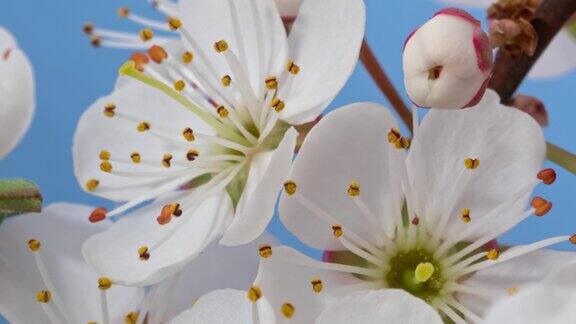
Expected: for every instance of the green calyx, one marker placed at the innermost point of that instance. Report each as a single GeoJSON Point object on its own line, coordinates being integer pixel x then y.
{"type": "Point", "coordinates": [416, 272]}
{"type": "Point", "coordinates": [18, 196]}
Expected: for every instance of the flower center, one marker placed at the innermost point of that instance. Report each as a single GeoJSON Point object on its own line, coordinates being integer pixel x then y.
{"type": "Point", "coordinates": [416, 272]}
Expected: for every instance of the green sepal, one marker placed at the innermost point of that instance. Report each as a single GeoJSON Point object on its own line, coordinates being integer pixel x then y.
{"type": "Point", "coordinates": [19, 196]}
{"type": "Point", "coordinates": [236, 186]}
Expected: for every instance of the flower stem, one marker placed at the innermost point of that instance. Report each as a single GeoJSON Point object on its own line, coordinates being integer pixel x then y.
{"type": "Point", "coordinates": [129, 69]}
{"type": "Point", "coordinates": [381, 79]}
{"type": "Point", "coordinates": [562, 157]}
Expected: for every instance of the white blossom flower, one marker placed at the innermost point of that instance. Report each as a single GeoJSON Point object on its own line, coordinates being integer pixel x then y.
{"type": "Point", "coordinates": [16, 93]}
{"type": "Point", "coordinates": [233, 91]}
{"type": "Point", "coordinates": [557, 60]}
{"type": "Point", "coordinates": [418, 222]}
{"type": "Point", "coordinates": [549, 301]}
{"type": "Point", "coordinates": [447, 61]}
{"type": "Point", "coordinates": [43, 277]}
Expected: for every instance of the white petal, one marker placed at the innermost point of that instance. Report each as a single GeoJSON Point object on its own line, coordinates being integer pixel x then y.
{"type": "Point", "coordinates": [289, 8]}
{"type": "Point", "coordinates": [226, 306]}
{"type": "Point", "coordinates": [61, 228]}
{"type": "Point", "coordinates": [268, 172]}
{"type": "Point", "coordinates": [17, 99]}
{"type": "Point", "coordinates": [273, 44]}
{"type": "Point", "coordinates": [558, 59]}
{"type": "Point", "coordinates": [286, 277]}
{"type": "Point", "coordinates": [492, 133]}
{"type": "Point", "coordinates": [120, 137]}
{"type": "Point", "coordinates": [381, 306]}
{"type": "Point", "coordinates": [217, 267]}
{"type": "Point", "coordinates": [114, 253]}
{"type": "Point", "coordinates": [349, 144]}
{"type": "Point", "coordinates": [325, 42]}
{"type": "Point", "coordinates": [550, 301]}
{"type": "Point", "coordinates": [516, 273]}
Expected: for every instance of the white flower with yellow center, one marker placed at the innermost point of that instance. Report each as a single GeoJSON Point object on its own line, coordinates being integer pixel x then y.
{"type": "Point", "coordinates": [418, 222]}
{"type": "Point", "coordinates": [212, 113]}
{"type": "Point", "coordinates": [16, 93]}
{"type": "Point", "coordinates": [44, 279]}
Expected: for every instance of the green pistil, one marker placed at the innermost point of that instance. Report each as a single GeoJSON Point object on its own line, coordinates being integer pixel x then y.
{"type": "Point", "coordinates": [403, 274]}
{"type": "Point", "coordinates": [129, 69]}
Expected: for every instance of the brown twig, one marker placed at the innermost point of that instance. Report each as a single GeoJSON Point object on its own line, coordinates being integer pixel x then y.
{"type": "Point", "coordinates": [381, 79]}
{"type": "Point", "coordinates": [509, 72]}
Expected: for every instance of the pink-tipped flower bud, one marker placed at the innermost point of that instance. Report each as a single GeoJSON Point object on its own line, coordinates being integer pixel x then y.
{"type": "Point", "coordinates": [447, 61]}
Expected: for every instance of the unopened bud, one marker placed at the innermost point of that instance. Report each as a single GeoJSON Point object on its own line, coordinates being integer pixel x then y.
{"type": "Point", "coordinates": [533, 107]}
{"type": "Point", "coordinates": [447, 61]}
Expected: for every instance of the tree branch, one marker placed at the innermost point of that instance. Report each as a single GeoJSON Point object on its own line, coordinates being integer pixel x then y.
{"type": "Point", "coordinates": [381, 79]}
{"type": "Point", "coordinates": [509, 72]}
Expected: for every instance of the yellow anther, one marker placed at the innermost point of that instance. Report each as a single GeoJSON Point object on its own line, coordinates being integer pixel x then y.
{"type": "Point", "coordinates": [34, 245]}
{"type": "Point", "coordinates": [317, 285]}
{"type": "Point", "coordinates": [278, 104]}
{"type": "Point", "coordinates": [104, 155]}
{"type": "Point", "coordinates": [271, 83]}
{"type": "Point", "coordinates": [188, 134]}
{"type": "Point", "coordinates": [187, 57]}
{"type": "Point", "coordinates": [106, 166]}
{"type": "Point", "coordinates": [167, 160]}
{"type": "Point", "coordinates": [337, 230]}
{"type": "Point", "coordinates": [492, 254]}
{"type": "Point", "coordinates": [222, 111]}
{"type": "Point", "coordinates": [402, 143]}
{"type": "Point", "coordinates": [572, 239]}
{"type": "Point", "coordinates": [92, 184]}
{"type": "Point", "coordinates": [434, 73]}
{"type": "Point", "coordinates": [254, 293]}
{"type": "Point", "coordinates": [265, 251]}
{"type": "Point", "coordinates": [221, 46]}
{"type": "Point", "coordinates": [88, 29]}
{"type": "Point", "coordinates": [465, 215]}
{"type": "Point", "coordinates": [143, 126]}
{"type": "Point", "coordinates": [110, 110]}
{"type": "Point", "coordinates": [104, 283]}
{"type": "Point", "coordinates": [471, 164]}
{"type": "Point", "coordinates": [226, 80]}
{"type": "Point", "coordinates": [136, 157]}
{"type": "Point", "coordinates": [143, 253]}
{"type": "Point", "coordinates": [292, 68]}
{"type": "Point", "coordinates": [157, 54]}
{"type": "Point", "coordinates": [95, 41]}
{"type": "Point", "coordinates": [131, 318]}
{"type": "Point", "coordinates": [43, 296]}
{"type": "Point", "coordinates": [123, 12]}
{"type": "Point", "coordinates": [288, 310]}
{"type": "Point", "coordinates": [290, 187]}
{"type": "Point", "coordinates": [192, 155]}
{"type": "Point", "coordinates": [354, 189]}
{"type": "Point", "coordinates": [424, 271]}
{"type": "Point", "coordinates": [174, 23]}
{"type": "Point", "coordinates": [394, 135]}
{"type": "Point", "coordinates": [146, 34]}
{"type": "Point", "coordinates": [512, 291]}
{"type": "Point", "coordinates": [179, 85]}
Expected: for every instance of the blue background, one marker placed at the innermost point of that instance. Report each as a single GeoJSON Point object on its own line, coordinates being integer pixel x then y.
{"type": "Point", "coordinates": [70, 75]}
